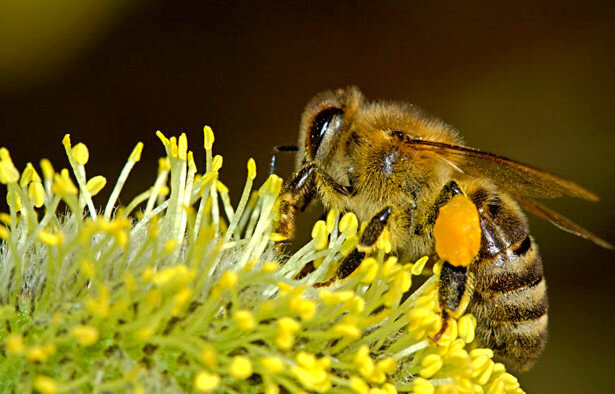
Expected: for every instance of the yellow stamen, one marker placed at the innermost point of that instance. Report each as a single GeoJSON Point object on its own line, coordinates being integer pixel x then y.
{"type": "Point", "coordinates": [8, 172]}
{"type": "Point", "coordinates": [45, 384]}
{"type": "Point", "coordinates": [423, 386]}
{"type": "Point", "coordinates": [26, 175]}
{"type": "Point", "coordinates": [206, 381]}
{"type": "Point", "coordinates": [251, 168]}
{"type": "Point", "coordinates": [228, 280]}
{"type": "Point", "coordinates": [47, 169]}
{"type": "Point", "coordinates": [81, 153]}
{"type": "Point", "coordinates": [241, 367]}
{"type": "Point", "coordinates": [272, 364]}
{"type": "Point", "coordinates": [320, 235]}
{"type": "Point", "coordinates": [162, 138]}
{"type": "Point", "coordinates": [467, 327]}
{"type": "Point", "coordinates": [14, 344]}
{"type": "Point", "coordinates": [347, 330]}
{"type": "Point", "coordinates": [216, 163]}
{"type": "Point", "coordinates": [5, 155]}
{"type": "Point", "coordinates": [85, 335]}
{"type": "Point", "coordinates": [431, 364]}
{"type": "Point", "coordinates": [358, 385]}
{"type": "Point", "coordinates": [182, 148]}
{"type": "Point", "coordinates": [277, 237]}
{"type": "Point", "coordinates": [5, 234]}
{"type": "Point", "coordinates": [417, 268]}
{"type": "Point", "coordinates": [36, 192]}
{"type": "Point", "coordinates": [96, 184]}
{"type": "Point", "coordinates": [208, 356]}
{"type": "Point", "coordinates": [208, 140]}
{"type": "Point", "coordinates": [331, 220]}
{"type": "Point", "coordinates": [51, 239]}
{"type": "Point", "coordinates": [270, 267]}
{"type": "Point", "coordinates": [135, 155]}
{"type": "Point", "coordinates": [369, 267]}
{"type": "Point", "coordinates": [245, 320]}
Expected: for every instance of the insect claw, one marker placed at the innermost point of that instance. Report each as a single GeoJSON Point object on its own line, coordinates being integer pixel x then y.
{"type": "Point", "coordinates": [326, 283]}
{"type": "Point", "coordinates": [441, 332]}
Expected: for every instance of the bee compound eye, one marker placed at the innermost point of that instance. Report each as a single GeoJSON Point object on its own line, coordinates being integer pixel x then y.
{"type": "Point", "coordinates": [325, 123]}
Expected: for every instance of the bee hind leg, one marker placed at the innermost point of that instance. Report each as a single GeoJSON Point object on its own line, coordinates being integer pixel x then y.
{"type": "Point", "coordinates": [443, 327]}
{"type": "Point", "coordinates": [454, 294]}
{"type": "Point", "coordinates": [350, 263]}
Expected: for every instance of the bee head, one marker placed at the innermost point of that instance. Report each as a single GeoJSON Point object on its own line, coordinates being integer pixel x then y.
{"type": "Point", "coordinates": [322, 122]}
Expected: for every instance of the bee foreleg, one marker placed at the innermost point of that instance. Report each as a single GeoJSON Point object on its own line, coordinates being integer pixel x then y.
{"type": "Point", "coordinates": [296, 195]}
{"type": "Point", "coordinates": [370, 235]}
{"type": "Point", "coordinates": [331, 183]}
{"type": "Point", "coordinates": [299, 192]}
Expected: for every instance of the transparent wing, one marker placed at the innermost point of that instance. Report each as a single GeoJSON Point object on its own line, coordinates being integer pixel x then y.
{"type": "Point", "coordinates": [510, 175]}
{"type": "Point", "coordinates": [560, 221]}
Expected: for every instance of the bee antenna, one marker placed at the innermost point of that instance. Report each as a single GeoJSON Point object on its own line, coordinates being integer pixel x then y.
{"type": "Point", "coordinates": [277, 149]}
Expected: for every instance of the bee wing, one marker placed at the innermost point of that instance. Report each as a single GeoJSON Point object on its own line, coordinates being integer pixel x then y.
{"type": "Point", "coordinates": [560, 221]}
{"type": "Point", "coordinates": [522, 181]}
{"type": "Point", "coordinates": [510, 175]}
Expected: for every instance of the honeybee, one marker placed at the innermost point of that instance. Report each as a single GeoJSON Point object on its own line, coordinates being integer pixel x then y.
{"type": "Point", "coordinates": [394, 167]}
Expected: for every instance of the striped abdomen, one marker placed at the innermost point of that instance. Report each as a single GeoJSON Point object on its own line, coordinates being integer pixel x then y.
{"type": "Point", "coordinates": [510, 293]}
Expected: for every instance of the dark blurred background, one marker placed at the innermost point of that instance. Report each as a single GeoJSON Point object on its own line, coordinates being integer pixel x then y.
{"type": "Point", "coordinates": [532, 82]}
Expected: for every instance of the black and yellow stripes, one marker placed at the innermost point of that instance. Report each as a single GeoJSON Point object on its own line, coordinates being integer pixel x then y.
{"type": "Point", "coordinates": [509, 290]}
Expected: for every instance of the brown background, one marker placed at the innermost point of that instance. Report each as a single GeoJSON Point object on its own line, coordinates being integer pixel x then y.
{"type": "Point", "coordinates": [532, 82]}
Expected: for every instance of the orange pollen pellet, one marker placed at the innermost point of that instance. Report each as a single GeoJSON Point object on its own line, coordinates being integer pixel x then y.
{"type": "Point", "coordinates": [457, 231]}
